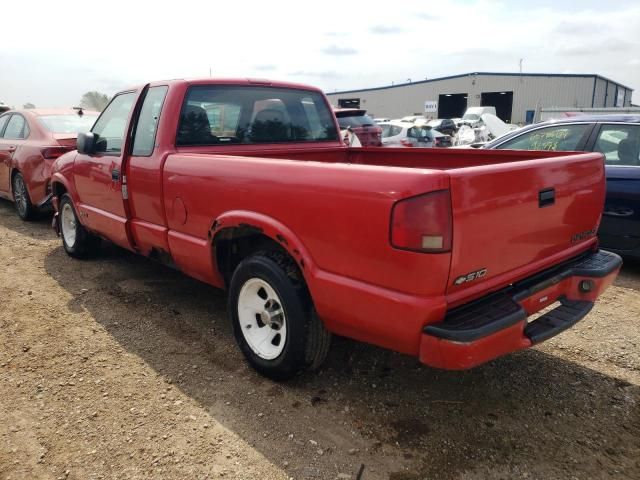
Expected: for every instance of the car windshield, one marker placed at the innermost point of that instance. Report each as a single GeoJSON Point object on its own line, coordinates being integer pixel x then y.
{"type": "Point", "coordinates": [68, 123]}
{"type": "Point", "coordinates": [355, 121]}
{"type": "Point", "coordinates": [423, 134]}
{"type": "Point", "coordinates": [471, 116]}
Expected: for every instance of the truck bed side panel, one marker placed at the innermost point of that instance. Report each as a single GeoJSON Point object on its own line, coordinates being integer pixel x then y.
{"type": "Point", "coordinates": [341, 213]}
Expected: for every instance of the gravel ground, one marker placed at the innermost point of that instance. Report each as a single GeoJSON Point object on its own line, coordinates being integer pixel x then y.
{"type": "Point", "coordinates": [121, 368]}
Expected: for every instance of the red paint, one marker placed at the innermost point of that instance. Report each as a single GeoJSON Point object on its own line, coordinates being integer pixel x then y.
{"type": "Point", "coordinates": [33, 156]}
{"type": "Point", "coordinates": [440, 353]}
{"type": "Point", "coordinates": [330, 207]}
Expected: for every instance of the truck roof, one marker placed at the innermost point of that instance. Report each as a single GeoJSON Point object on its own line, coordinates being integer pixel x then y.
{"type": "Point", "coordinates": [237, 81]}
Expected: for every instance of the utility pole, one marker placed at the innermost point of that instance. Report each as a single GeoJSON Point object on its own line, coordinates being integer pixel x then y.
{"type": "Point", "coordinates": [521, 60]}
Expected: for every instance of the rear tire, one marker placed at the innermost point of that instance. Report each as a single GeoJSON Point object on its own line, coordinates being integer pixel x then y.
{"type": "Point", "coordinates": [24, 207]}
{"type": "Point", "coordinates": [76, 240]}
{"type": "Point", "coordinates": [273, 319]}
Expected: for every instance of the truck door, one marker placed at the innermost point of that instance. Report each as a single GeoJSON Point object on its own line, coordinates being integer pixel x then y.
{"type": "Point", "coordinates": [98, 177]}
{"type": "Point", "coordinates": [144, 175]}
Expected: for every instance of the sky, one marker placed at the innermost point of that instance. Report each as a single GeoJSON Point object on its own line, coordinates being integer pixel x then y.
{"type": "Point", "coordinates": [53, 52]}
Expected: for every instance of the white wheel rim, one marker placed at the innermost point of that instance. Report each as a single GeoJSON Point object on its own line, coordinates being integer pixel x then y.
{"type": "Point", "coordinates": [68, 224]}
{"type": "Point", "coordinates": [262, 318]}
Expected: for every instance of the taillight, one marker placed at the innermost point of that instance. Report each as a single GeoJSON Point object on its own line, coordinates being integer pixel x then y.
{"type": "Point", "coordinates": [51, 153]}
{"type": "Point", "coordinates": [423, 223]}
{"type": "Point", "coordinates": [406, 142]}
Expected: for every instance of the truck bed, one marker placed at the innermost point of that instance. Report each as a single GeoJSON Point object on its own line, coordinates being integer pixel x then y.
{"type": "Point", "coordinates": [424, 158]}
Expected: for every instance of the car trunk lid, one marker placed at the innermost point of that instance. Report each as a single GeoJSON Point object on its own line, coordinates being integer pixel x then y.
{"type": "Point", "coordinates": [65, 139]}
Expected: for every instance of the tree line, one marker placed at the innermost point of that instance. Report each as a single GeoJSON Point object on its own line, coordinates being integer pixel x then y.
{"type": "Point", "coordinates": [90, 101]}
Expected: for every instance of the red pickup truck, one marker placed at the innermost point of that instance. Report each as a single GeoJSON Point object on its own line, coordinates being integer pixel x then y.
{"type": "Point", "coordinates": [246, 185]}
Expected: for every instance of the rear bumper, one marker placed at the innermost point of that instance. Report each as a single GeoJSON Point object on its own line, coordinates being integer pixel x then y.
{"type": "Point", "coordinates": [497, 324]}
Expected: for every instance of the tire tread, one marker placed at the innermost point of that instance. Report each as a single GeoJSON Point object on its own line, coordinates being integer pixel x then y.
{"type": "Point", "coordinates": [317, 339]}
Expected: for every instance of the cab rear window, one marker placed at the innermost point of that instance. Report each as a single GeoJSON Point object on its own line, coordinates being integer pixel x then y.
{"type": "Point", "coordinates": [227, 114]}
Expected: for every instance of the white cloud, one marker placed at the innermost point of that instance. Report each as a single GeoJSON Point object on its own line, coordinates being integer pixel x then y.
{"type": "Point", "coordinates": [70, 47]}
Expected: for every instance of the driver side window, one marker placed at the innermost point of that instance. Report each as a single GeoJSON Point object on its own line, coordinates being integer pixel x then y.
{"type": "Point", "coordinates": [112, 124]}
{"type": "Point", "coordinates": [620, 144]}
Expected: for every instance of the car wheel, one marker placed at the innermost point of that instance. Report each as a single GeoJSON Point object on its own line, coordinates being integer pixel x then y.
{"type": "Point", "coordinates": [21, 198]}
{"type": "Point", "coordinates": [77, 241]}
{"type": "Point", "coordinates": [273, 318]}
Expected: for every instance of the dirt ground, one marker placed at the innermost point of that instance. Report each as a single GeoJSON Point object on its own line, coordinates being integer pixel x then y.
{"type": "Point", "coordinates": [119, 368]}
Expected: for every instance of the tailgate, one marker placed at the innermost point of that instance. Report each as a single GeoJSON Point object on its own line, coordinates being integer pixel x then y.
{"type": "Point", "coordinates": [513, 219]}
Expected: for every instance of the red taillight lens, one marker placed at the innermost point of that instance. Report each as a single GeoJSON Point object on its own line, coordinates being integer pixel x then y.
{"type": "Point", "coordinates": [51, 153]}
{"type": "Point", "coordinates": [423, 223]}
{"type": "Point", "coordinates": [406, 143]}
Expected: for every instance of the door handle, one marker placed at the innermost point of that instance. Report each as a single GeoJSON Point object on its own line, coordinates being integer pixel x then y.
{"type": "Point", "coordinates": [620, 212]}
{"type": "Point", "coordinates": [11, 148]}
{"type": "Point", "coordinates": [546, 197]}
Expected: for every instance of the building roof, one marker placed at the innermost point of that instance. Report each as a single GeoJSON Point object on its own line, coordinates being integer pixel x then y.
{"type": "Point", "coordinates": [501, 74]}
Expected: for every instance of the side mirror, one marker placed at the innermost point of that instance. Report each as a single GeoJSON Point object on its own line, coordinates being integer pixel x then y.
{"type": "Point", "coordinates": [86, 143]}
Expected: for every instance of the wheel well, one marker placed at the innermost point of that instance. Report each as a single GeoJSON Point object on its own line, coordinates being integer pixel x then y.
{"type": "Point", "coordinates": [58, 189]}
{"type": "Point", "coordinates": [232, 245]}
{"type": "Point", "coordinates": [14, 172]}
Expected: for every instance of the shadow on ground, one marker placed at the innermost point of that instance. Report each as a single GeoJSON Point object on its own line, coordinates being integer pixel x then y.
{"type": "Point", "coordinates": [38, 229]}
{"type": "Point", "coordinates": [529, 412]}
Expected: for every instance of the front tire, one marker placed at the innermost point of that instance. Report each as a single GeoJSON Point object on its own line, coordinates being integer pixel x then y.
{"type": "Point", "coordinates": [76, 240]}
{"type": "Point", "coordinates": [274, 322]}
{"type": "Point", "coordinates": [24, 207]}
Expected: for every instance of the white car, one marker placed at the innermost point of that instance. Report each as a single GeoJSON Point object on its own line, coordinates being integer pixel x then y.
{"type": "Point", "coordinates": [414, 119]}
{"type": "Point", "coordinates": [473, 116]}
{"type": "Point", "coordinates": [404, 134]}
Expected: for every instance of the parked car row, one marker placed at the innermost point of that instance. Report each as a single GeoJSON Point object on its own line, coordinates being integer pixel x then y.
{"type": "Point", "coordinates": [405, 134]}
{"type": "Point", "coordinates": [411, 131]}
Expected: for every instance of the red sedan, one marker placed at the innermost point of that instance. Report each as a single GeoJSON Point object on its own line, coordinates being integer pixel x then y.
{"type": "Point", "coordinates": [369, 134]}
{"type": "Point", "coordinates": [30, 140]}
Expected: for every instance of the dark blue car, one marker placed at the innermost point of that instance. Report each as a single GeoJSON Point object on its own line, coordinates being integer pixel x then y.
{"type": "Point", "coordinates": [618, 138]}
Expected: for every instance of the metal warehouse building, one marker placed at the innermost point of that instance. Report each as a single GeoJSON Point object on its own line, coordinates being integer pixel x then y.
{"type": "Point", "coordinates": [516, 96]}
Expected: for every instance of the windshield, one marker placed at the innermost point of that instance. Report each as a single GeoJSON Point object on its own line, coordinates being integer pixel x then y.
{"type": "Point", "coordinates": [69, 123]}
{"type": "Point", "coordinates": [423, 134]}
{"type": "Point", "coordinates": [355, 121]}
{"type": "Point", "coordinates": [471, 116]}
